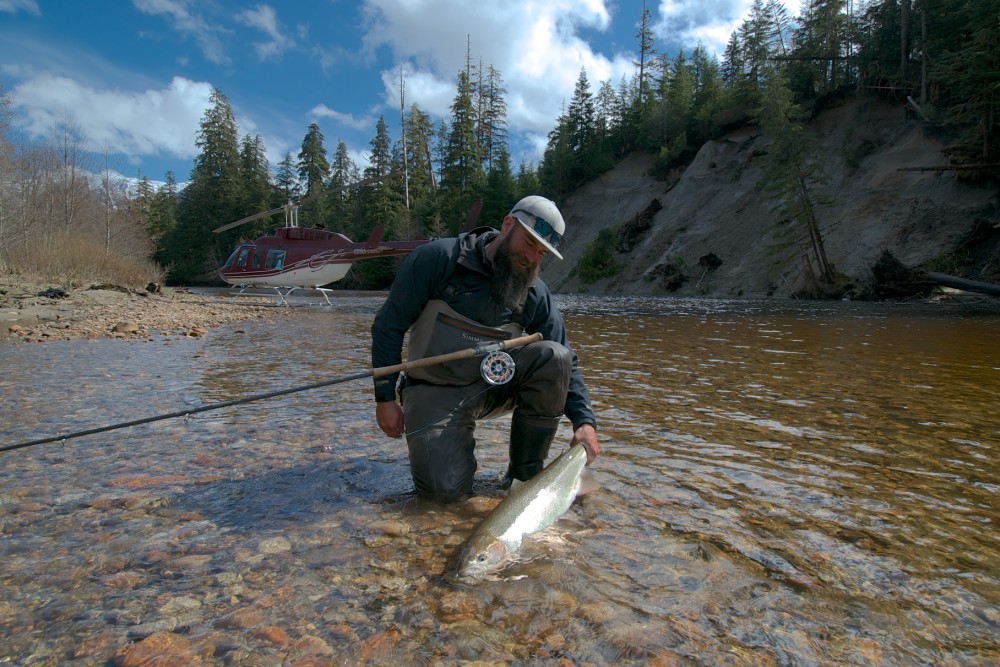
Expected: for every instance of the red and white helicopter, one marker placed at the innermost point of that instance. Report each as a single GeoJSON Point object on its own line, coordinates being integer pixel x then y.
{"type": "Point", "coordinates": [296, 257]}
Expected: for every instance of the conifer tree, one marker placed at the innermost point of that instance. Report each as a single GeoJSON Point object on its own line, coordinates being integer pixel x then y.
{"type": "Point", "coordinates": [967, 73]}
{"type": "Point", "coordinates": [212, 195]}
{"type": "Point", "coordinates": [580, 115]}
{"type": "Point", "coordinates": [794, 172]}
{"type": "Point", "coordinates": [646, 56]}
{"type": "Point", "coordinates": [286, 179]}
{"type": "Point", "coordinates": [493, 121]}
{"type": "Point", "coordinates": [313, 170]}
{"type": "Point", "coordinates": [419, 137]}
{"type": "Point", "coordinates": [162, 218]}
{"type": "Point", "coordinates": [383, 200]}
{"type": "Point", "coordinates": [461, 178]}
{"type": "Point", "coordinates": [256, 172]}
{"type": "Point", "coordinates": [339, 207]}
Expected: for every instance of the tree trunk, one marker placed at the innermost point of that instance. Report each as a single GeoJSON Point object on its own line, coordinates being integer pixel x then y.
{"type": "Point", "coordinates": [814, 234]}
{"type": "Point", "coordinates": [904, 38]}
{"type": "Point", "coordinates": [923, 52]}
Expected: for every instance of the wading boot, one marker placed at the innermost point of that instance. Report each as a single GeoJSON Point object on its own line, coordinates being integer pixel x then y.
{"type": "Point", "coordinates": [529, 446]}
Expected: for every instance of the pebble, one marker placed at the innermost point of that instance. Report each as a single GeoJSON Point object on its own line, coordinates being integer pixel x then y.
{"type": "Point", "coordinates": [274, 545]}
{"type": "Point", "coordinates": [119, 313]}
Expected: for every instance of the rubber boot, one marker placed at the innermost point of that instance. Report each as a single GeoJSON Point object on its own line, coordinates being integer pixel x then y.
{"type": "Point", "coordinates": [529, 446]}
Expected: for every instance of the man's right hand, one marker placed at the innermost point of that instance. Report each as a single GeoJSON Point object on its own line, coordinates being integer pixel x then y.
{"type": "Point", "coordinates": [389, 416]}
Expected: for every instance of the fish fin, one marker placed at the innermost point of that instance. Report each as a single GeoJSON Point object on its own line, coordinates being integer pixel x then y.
{"type": "Point", "coordinates": [588, 483]}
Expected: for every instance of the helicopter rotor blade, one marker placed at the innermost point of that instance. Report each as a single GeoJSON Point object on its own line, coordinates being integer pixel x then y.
{"type": "Point", "coordinates": [329, 191]}
{"type": "Point", "coordinates": [249, 218]}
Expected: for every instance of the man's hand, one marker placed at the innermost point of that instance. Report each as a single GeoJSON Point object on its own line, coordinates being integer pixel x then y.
{"type": "Point", "coordinates": [586, 435]}
{"type": "Point", "coordinates": [389, 416]}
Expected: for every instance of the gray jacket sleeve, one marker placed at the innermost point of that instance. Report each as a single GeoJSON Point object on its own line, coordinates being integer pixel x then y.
{"type": "Point", "coordinates": [410, 291]}
{"type": "Point", "coordinates": [547, 319]}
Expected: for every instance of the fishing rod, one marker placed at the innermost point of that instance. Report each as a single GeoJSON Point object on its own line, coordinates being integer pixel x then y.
{"type": "Point", "coordinates": [497, 368]}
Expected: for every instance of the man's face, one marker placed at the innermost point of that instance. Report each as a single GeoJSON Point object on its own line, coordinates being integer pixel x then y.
{"type": "Point", "coordinates": [515, 264]}
{"type": "Point", "coordinates": [525, 250]}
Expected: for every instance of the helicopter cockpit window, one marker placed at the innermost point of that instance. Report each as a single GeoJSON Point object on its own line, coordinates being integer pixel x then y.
{"type": "Point", "coordinates": [275, 260]}
{"type": "Point", "coordinates": [241, 260]}
{"type": "Point", "coordinates": [232, 258]}
{"type": "Point", "coordinates": [256, 260]}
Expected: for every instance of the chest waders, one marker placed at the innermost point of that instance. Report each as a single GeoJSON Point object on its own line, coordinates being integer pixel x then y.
{"type": "Point", "coordinates": [442, 403]}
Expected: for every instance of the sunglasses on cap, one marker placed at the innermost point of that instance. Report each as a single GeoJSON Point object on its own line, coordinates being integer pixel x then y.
{"type": "Point", "coordinates": [542, 228]}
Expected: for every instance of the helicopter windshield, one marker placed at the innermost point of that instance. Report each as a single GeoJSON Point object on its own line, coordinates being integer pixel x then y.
{"type": "Point", "coordinates": [239, 257]}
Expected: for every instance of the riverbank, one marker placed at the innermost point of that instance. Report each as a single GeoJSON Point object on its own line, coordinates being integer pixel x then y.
{"type": "Point", "coordinates": [33, 312]}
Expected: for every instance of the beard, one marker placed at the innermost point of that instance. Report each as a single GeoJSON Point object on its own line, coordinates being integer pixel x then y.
{"type": "Point", "coordinates": [510, 284]}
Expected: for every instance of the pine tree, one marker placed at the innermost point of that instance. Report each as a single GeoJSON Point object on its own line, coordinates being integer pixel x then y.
{"type": "Point", "coordinates": [794, 172]}
{"type": "Point", "coordinates": [339, 207]}
{"type": "Point", "coordinates": [313, 170]}
{"type": "Point", "coordinates": [419, 137]}
{"type": "Point", "coordinates": [162, 219]}
{"type": "Point", "coordinates": [580, 115]}
{"type": "Point", "coordinates": [286, 179]}
{"type": "Point", "coordinates": [212, 196]}
{"type": "Point", "coordinates": [967, 73]}
{"type": "Point", "coordinates": [256, 172]}
{"type": "Point", "coordinates": [493, 120]}
{"type": "Point", "coordinates": [707, 96]}
{"type": "Point", "coordinates": [501, 190]}
{"type": "Point", "coordinates": [823, 36]}
{"type": "Point", "coordinates": [607, 121]}
{"type": "Point", "coordinates": [646, 56]}
{"type": "Point", "coordinates": [382, 205]}
{"type": "Point", "coordinates": [461, 178]}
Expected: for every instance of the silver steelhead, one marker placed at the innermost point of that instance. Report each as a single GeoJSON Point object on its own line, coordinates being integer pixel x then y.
{"type": "Point", "coordinates": [528, 508]}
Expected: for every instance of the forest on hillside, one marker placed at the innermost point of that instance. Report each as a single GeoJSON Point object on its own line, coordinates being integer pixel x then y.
{"type": "Point", "coordinates": [938, 58]}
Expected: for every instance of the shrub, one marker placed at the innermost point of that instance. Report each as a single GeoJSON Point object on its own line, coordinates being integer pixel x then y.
{"type": "Point", "coordinates": [598, 258]}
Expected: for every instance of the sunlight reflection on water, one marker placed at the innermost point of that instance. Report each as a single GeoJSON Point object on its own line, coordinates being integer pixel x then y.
{"type": "Point", "coordinates": [789, 484]}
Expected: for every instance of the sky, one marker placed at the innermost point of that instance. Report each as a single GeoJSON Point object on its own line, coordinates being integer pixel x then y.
{"type": "Point", "coordinates": [133, 77]}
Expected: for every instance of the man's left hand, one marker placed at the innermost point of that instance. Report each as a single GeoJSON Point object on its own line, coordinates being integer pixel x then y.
{"type": "Point", "coordinates": [586, 435]}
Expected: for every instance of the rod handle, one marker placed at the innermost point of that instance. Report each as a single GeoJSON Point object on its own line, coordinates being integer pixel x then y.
{"type": "Point", "coordinates": [477, 351]}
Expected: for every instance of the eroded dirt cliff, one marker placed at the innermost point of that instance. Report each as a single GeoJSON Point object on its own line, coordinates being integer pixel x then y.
{"type": "Point", "coordinates": [709, 230]}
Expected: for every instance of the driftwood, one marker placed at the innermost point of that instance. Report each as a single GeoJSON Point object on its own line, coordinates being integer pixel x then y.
{"type": "Point", "coordinates": [962, 283]}
{"type": "Point", "coordinates": [951, 167]}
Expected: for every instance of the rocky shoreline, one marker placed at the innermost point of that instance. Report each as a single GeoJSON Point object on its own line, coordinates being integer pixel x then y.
{"type": "Point", "coordinates": [36, 313]}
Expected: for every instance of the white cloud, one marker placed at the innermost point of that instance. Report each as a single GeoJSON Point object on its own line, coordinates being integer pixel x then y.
{"type": "Point", "coordinates": [187, 23]}
{"type": "Point", "coordinates": [263, 18]}
{"type": "Point", "coordinates": [364, 123]}
{"type": "Point", "coordinates": [147, 122]}
{"type": "Point", "coordinates": [13, 6]}
{"type": "Point", "coordinates": [711, 22]}
{"type": "Point", "coordinates": [536, 45]}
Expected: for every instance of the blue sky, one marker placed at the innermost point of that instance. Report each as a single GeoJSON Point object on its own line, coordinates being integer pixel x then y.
{"type": "Point", "coordinates": [134, 76]}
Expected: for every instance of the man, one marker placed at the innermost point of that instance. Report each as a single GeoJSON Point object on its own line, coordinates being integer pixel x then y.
{"type": "Point", "coordinates": [451, 294]}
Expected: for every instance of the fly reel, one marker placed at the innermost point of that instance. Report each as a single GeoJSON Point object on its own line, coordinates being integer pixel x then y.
{"type": "Point", "coordinates": [497, 368]}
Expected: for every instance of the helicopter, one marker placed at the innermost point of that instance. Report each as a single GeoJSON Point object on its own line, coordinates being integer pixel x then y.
{"type": "Point", "coordinates": [295, 257]}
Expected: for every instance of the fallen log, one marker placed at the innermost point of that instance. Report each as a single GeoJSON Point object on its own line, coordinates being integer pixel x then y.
{"type": "Point", "coordinates": [962, 283]}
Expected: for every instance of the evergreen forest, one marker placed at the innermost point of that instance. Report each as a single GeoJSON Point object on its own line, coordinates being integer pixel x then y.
{"type": "Point", "coordinates": [939, 59]}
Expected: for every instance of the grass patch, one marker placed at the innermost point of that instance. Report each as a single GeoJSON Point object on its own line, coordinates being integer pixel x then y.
{"type": "Point", "coordinates": [75, 261]}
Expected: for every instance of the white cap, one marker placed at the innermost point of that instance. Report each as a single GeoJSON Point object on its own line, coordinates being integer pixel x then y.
{"type": "Point", "coordinates": [541, 217]}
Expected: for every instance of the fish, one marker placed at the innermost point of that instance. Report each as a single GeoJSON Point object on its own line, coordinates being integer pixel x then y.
{"type": "Point", "coordinates": [528, 508]}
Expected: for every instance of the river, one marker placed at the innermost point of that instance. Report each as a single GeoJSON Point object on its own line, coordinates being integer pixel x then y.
{"type": "Point", "coordinates": [782, 483]}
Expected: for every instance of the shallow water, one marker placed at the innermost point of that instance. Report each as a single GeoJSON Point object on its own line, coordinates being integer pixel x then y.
{"type": "Point", "coordinates": [788, 484]}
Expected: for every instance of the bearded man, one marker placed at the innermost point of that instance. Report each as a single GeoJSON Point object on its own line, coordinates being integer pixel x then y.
{"type": "Point", "coordinates": [452, 294]}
